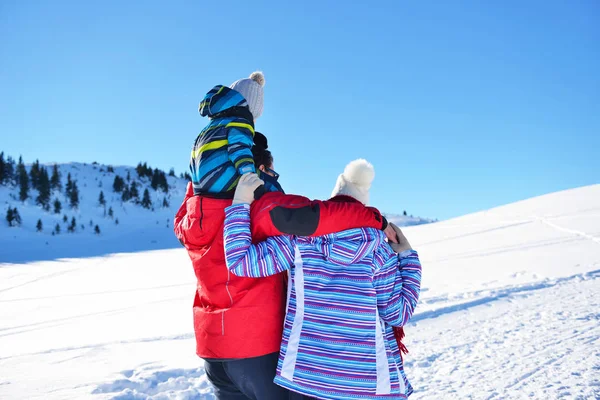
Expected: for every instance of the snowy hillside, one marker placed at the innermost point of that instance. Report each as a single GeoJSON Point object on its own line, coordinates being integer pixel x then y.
{"type": "Point", "coordinates": [407, 220]}
{"type": "Point", "coordinates": [130, 228]}
{"type": "Point", "coordinates": [509, 310]}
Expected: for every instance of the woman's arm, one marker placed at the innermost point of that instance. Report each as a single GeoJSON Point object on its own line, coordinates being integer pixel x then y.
{"type": "Point", "coordinates": [270, 257]}
{"type": "Point", "coordinates": [397, 283]}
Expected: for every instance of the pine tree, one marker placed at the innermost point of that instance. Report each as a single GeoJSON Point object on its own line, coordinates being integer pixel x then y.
{"type": "Point", "coordinates": [2, 169]}
{"type": "Point", "coordinates": [10, 169]}
{"type": "Point", "coordinates": [110, 212]}
{"type": "Point", "coordinates": [118, 184]}
{"type": "Point", "coordinates": [165, 203]}
{"type": "Point", "coordinates": [101, 199]}
{"type": "Point", "coordinates": [23, 181]}
{"type": "Point", "coordinates": [133, 191]}
{"type": "Point", "coordinates": [117, 221]}
{"type": "Point", "coordinates": [155, 179]}
{"type": "Point", "coordinates": [10, 216]}
{"type": "Point", "coordinates": [55, 180]}
{"type": "Point", "coordinates": [57, 229]}
{"type": "Point", "coordinates": [17, 217]}
{"type": "Point", "coordinates": [57, 206]}
{"type": "Point", "coordinates": [43, 198]}
{"type": "Point", "coordinates": [186, 176]}
{"type": "Point", "coordinates": [172, 172]}
{"type": "Point", "coordinates": [69, 187]}
{"type": "Point", "coordinates": [74, 198]}
{"type": "Point", "coordinates": [146, 202]}
{"type": "Point", "coordinates": [126, 196]}
{"type": "Point", "coordinates": [39, 227]}
{"type": "Point", "coordinates": [65, 218]}
{"type": "Point", "coordinates": [73, 225]}
{"type": "Point", "coordinates": [34, 173]}
{"type": "Point", "coordinates": [404, 213]}
{"type": "Point", "coordinates": [97, 230]}
{"type": "Point", "coordinates": [128, 176]}
{"type": "Point", "coordinates": [110, 169]}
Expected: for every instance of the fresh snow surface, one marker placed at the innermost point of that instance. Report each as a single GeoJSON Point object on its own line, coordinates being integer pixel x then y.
{"type": "Point", "coordinates": [509, 309]}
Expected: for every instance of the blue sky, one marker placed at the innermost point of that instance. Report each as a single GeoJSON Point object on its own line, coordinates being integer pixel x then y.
{"type": "Point", "coordinates": [460, 105]}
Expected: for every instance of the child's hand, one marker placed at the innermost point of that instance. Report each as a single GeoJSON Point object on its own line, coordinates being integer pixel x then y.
{"type": "Point", "coordinates": [244, 193]}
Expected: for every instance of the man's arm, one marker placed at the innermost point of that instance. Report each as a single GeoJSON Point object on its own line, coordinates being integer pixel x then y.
{"type": "Point", "coordinates": [277, 214]}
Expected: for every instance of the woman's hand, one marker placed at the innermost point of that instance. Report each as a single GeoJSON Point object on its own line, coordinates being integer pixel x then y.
{"type": "Point", "coordinates": [244, 193]}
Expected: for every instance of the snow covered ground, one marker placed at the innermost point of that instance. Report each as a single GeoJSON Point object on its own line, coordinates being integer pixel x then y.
{"type": "Point", "coordinates": [509, 309]}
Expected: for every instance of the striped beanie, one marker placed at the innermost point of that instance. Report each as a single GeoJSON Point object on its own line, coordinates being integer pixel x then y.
{"type": "Point", "coordinates": [252, 90]}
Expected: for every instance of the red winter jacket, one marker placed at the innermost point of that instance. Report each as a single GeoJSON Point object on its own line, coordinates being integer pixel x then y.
{"type": "Point", "coordinates": [238, 317]}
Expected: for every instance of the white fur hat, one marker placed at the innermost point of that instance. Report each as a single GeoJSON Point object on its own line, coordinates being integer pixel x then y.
{"type": "Point", "coordinates": [252, 90]}
{"type": "Point", "coordinates": [355, 181]}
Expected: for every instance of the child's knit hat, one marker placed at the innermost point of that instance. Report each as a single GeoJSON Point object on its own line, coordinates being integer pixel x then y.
{"type": "Point", "coordinates": [252, 90]}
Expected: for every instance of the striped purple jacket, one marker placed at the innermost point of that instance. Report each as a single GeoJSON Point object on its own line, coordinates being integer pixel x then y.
{"type": "Point", "coordinates": [346, 291]}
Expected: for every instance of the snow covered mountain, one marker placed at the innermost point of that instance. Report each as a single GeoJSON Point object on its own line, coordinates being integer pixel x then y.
{"type": "Point", "coordinates": [508, 310]}
{"type": "Point", "coordinates": [123, 226]}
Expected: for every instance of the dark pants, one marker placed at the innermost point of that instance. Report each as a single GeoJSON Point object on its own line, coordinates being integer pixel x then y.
{"type": "Point", "coordinates": [245, 378]}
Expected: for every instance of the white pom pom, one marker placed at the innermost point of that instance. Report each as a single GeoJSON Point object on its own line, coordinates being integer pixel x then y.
{"type": "Point", "coordinates": [360, 172]}
{"type": "Point", "coordinates": [258, 77]}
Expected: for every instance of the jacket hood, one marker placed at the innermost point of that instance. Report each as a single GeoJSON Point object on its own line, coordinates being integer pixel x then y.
{"type": "Point", "coordinates": [221, 99]}
{"type": "Point", "coordinates": [348, 247]}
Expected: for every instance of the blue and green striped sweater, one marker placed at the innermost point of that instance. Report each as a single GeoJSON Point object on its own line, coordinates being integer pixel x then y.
{"type": "Point", "coordinates": [222, 152]}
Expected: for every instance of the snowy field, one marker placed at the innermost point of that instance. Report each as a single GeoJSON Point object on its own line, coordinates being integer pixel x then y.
{"type": "Point", "coordinates": [510, 309]}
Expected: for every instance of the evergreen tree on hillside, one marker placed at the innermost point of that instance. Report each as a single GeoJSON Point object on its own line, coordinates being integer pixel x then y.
{"type": "Point", "coordinates": [2, 169]}
{"type": "Point", "coordinates": [69, 187]}
{"type": "Point", "coordinates": [9, 170]}
{"type": "Point", "coordinates": [128, 176]}
{"type": "Point", "coordinates": [57, 206]}
{"type": "Point", "coordinates": [110, 212]}
{"type": "Point", "coordinates": [10, 216]}
{"type": "Point", "coordinates": [97, 230]}
{"type": "Point", "coordinates": [404, 213]}
{"type": "Point", "coordinates": [110, 169]}
{"type": "Point", "coordinates": [73, 225]}
{"type": "Point", "coordinates": [43, 198]}
{"type": "Point", "coordinates": [17, 216]}
{"type": "Point", "coordinates": [34, 174]}
{"type": "Point", "coordinates": [74, 198]}
{"type": "Point", "coordinates": [133, 191]}
{"type": "Point", "coordinates": [146, 202]}
{"type": "Point", "coordinates": [23, 181]}
{"type": "Point", "coordinates": [57, 229]}
{"type": "Point", "coordinates": [165, 203]}
{"type": "Point", "coordinates": [118, 184]}
{"type": "Point", "coordinates": [186, 176]}
{"type": "Point", "coordinates": [65, 218]}
{"type": "Point", "coordinates": [126, 196]}
{"type": "Point", "coordinates": [155, 179]}
{"type": "Point", "coordinates": [55, 179]}
{"type": "Point", "coordinates": [117, 221]}
{"type": "Point", "coordinates": [172, 172]}
{"type": "Point", "coordinates": [39, 227]}
{"type": "Point", "coordinates": [101, 199]}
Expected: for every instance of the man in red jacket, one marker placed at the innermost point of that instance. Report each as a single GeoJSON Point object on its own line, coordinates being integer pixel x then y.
{"type": "Point", "coordinates": [238, 322]}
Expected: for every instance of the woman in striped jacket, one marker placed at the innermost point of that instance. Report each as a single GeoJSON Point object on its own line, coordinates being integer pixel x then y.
{"type": "Point", "coordinates": [346, 291]}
